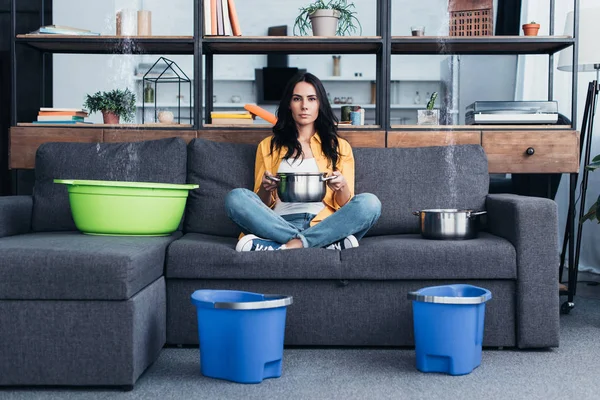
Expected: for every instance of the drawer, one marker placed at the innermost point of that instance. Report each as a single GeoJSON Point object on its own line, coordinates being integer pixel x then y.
{"type": "Point", "coordinates": [549, 151]}
{"type": "Point", "coordinates": [431, 138]}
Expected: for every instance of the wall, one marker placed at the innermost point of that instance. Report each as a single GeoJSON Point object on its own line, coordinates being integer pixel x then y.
{"type": "Point", "coordinates": [77, 75]}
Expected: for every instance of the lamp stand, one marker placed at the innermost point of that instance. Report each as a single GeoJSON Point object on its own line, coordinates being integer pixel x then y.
{"type": "Point", "coordinates": [587, 129]}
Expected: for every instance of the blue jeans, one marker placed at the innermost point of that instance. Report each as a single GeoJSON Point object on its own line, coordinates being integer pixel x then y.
{"type": "Point", "coordinates": [356, 217]}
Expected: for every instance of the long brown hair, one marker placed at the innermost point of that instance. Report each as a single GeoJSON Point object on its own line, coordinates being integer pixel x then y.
{"type": "Point", "coordinates": [285, 132]}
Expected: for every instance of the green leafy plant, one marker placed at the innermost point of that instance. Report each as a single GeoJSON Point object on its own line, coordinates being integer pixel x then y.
{"type": "Point", "coordinates": [594, 212]}
{"type": "Point", "coordinates": [346, 23]}
{"type": "Point", "coordinates": [118, 102]}
{"type": "Point", "coordinates": [431, 102]}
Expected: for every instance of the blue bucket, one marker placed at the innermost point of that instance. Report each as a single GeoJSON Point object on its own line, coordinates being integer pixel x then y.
{"type": "Point", "coordinates": [241, 334]}
{"type": "Point", "coordinates": [448, 323]}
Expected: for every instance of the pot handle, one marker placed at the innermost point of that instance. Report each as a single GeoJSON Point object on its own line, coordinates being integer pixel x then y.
{"type": "Point", "coordinates": [273, 178]}
{"type": "Point", "coordinates": [417, 213]}
{"type": "Point", "coordinates": [328, 178]}
{"type": "Point", "coordinates": [476, 213]}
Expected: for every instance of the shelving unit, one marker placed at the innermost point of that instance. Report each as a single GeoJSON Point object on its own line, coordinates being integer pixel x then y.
{"type": "Point", "coordinates": [382, 45]}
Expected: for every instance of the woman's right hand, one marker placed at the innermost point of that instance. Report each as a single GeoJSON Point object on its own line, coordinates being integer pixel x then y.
{"type": "Point", "coordinates": [268, 184]}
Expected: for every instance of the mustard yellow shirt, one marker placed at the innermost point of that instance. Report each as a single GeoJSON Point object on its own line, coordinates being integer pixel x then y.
{"type": "Point", "coordinates": [270, 162]}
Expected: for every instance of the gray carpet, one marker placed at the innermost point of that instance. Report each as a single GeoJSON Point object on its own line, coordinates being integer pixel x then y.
{"type": "Point", "coordinates": [571, 371]}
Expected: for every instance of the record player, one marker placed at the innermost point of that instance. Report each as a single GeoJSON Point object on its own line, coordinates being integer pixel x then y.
{"type": "Point", "coordinates": [512, 112]}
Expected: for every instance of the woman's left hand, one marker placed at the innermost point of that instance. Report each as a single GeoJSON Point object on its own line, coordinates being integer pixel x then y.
{"type": "Point", "coordinates": [338, 183]}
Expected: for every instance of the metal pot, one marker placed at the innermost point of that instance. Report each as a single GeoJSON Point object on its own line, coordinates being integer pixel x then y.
{"type": "Point", "coordinates": [302, 187]}
{"type": "Point", "coordinates": [449, 224]}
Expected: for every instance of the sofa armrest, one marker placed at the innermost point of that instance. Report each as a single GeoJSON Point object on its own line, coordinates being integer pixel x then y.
{"type": "Point", "coordinates": [531, 225]}
{"type": "Point", "coordinates": [15, 215]}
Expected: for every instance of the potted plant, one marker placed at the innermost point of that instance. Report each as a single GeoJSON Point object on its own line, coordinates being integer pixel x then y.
{"type": "Point", "coordinates": [531, 29]}
{"type": "Point", "coordinates": [429, 116]}
{"type": "Point", "coordinates": [113, 105]}
{"type": "Point", "coordinates": [328, 18]}
{"type": "Point", "coordinates": [594, 211]}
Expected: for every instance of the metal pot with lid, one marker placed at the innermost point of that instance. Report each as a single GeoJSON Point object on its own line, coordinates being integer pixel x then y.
{"type": "Point", "coordinates": [448, 224]}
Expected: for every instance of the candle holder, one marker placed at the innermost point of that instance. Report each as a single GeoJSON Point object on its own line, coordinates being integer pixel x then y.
{"type": "Point", "coordinates": [167, 71]}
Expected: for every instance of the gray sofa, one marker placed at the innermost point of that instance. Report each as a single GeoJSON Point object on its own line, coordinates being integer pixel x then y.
{"type": "Point", "coordinates": [86, 310]}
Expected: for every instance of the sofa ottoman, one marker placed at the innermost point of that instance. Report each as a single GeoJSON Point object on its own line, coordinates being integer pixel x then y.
{"type": "Point", "coordinates": [75, 309]}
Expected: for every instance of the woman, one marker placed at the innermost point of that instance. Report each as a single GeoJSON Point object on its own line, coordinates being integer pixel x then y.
{"type": "Point", "coordinates": [304, 140]}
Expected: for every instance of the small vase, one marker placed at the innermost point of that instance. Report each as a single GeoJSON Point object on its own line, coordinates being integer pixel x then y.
{"type": "Point", "coordinates": [110, 118]}
{"type": "Point", "coordinates": [148, 94]}
{"type": "Point", "coordinates": [531, 29]}
{"type": "Point", "coordinates": [417, 98]}
{"type": "Point", "coordinates": [336, 65]}
{"type": "Point", "coordinates": [166, 117]}
{"type": "Point", "coordinates": [428, 117]}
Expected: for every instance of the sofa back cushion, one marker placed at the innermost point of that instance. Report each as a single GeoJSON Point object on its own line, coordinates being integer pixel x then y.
{"type": "Point", "coordinates": [411, 179]}
{"type": "Point", "coordinates": [151, 161]}
{"type": "Point", "coordinates": [217, 168]}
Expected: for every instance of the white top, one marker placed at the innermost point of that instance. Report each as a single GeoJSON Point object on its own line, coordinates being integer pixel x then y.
{"type": "Point", "coordinates": [289, 165]}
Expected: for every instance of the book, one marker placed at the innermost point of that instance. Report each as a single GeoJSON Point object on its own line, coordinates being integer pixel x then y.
{"type": "Point", "coordinates": [232, 121]}
{"type": "Point", "coordinates": [53, 109]}
{"type": "Point", "coordinates": [226, 23]}
{"type": "Point", "coordinates": [235, 115]}
{"type": "Point", "coordinates": [213, 17]}
{"type": "Point", "coordinates": [59, 118]}
{"type": "Point", "coordinates": [66, 27]}
{"type": "Point", "coordinates": [207, 17]}
{"type": "Point", "coordinates": [61, 122]}
{"type": "Point", "coordinates": [64, 31]}
{"type": "Point", "coordinates": [63, 113]}
{"type": "Point", "coordinates": [220, 27]}
{"type": "Point", "coordinates": [233, 17]}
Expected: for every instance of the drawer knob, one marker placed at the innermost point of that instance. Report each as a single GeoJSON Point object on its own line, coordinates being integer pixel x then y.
{"type": "Point", "coordinates": [530, 151]}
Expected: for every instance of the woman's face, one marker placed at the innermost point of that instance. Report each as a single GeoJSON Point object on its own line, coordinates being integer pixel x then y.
{"type": "Point", "coordinates": [304, 104]}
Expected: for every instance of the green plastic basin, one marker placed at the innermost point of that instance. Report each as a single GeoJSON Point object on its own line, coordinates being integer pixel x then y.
{"type": "Point", "coordinates": [126, 208]}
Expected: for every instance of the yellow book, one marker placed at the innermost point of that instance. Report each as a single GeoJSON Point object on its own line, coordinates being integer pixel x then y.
{"type": "Point", "coordinates": [242, 115]}
{"type": "Point", "coordinates": [232, 121]}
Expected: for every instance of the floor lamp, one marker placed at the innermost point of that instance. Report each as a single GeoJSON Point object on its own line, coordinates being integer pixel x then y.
{"type": "Point", "coordinates": [588, 60]}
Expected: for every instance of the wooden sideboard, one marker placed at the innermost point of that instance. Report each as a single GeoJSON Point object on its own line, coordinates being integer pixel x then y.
{"type": "Point", "coordinates": [509, 150]}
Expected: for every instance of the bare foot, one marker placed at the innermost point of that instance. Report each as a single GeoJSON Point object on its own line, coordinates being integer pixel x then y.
{"type": "Point", "coordinates": [562, 287]}
{"type": "Point", "coordinates": [294, 244]}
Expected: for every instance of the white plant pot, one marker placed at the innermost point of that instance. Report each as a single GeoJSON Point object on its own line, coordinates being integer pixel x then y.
{"type": "Point", "coordinates": [324, 22]}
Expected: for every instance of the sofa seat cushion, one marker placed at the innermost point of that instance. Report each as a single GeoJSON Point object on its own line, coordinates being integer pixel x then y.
{"type": "Point", "coordinates": [71, 265]}
{"type": "Point", "coordinates": [197, 255]}
{"type": "Point", "coordinates": [410, 256]}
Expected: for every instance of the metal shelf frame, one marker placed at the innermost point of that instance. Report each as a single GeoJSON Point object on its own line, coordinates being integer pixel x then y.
{"type": "Point", "coordinates": [383, 46]}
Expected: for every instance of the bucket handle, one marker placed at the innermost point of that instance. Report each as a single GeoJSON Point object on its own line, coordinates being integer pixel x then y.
{"type": "Point", "coordinates": [447, 299]}
{"type": "Point", "coordinates": [271, 301]}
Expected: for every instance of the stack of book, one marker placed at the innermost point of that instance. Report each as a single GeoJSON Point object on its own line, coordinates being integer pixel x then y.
{"type": "Point", "coordinates": [220, 18]}
{"type": "Point", "coordinates": [63, 30]}
{"type": "Point", "coordinates": [49, 115]}
{"type": "Point", "coordinates": [231, 118]}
